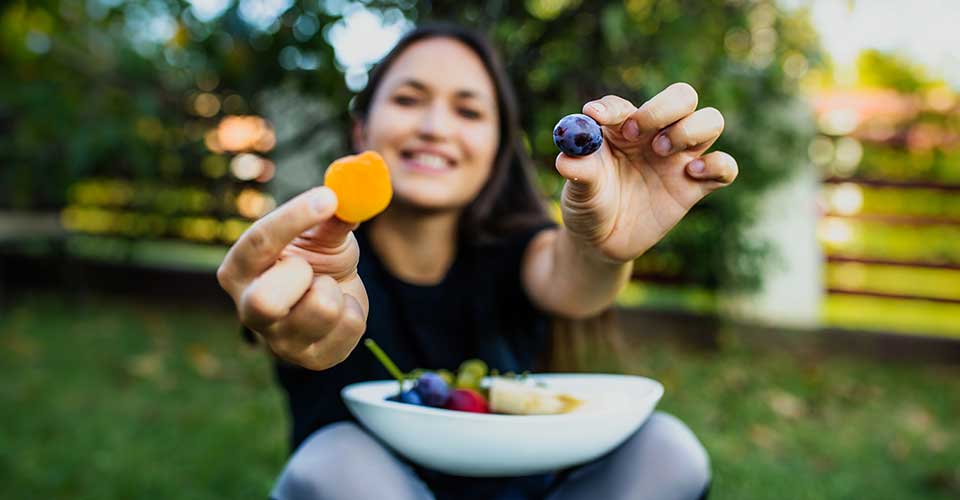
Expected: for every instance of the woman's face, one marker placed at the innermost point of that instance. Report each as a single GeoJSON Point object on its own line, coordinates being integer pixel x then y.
{"type": "Point", "coordinates": [434, 119]}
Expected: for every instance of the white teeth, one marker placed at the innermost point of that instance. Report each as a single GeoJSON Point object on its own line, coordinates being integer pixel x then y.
{"type": "Point", "coordinates": [431, 161]}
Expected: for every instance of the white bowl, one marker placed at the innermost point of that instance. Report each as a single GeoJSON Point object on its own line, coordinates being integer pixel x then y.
{"type": "Point", "coordinates": [485, 445]}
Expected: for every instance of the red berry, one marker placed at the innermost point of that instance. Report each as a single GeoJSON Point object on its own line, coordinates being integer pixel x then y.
{"type": "Point", "coordinates": [467, 400]}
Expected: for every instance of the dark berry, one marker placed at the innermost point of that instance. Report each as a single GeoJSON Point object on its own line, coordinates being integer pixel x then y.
{"type": "Point", "coordinates": [409, 396]}
{"type": "Point", "coordinates": [577, 135]}
{"type": "Point", "coordinates": [433, 390]}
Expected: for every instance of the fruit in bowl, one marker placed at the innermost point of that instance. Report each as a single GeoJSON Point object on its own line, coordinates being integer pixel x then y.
{"type": "Point", "coordinates": [490, 424]}
{"type": "Point", "coordinates": [474, 391]}
{"type": "Point", "coordinates": [517, 398]}
{"type": "Point", "coordinates": [468, 443]}
{"type": "Point", "coordinates": [467, 400]}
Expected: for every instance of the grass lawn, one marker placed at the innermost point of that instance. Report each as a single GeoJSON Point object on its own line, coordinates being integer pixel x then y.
{"type": "Point", "coordinates": [111, 397]}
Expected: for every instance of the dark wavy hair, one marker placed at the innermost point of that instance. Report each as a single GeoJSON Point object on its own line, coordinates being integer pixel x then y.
{"type": "Point", "coordinates": [509, 200]}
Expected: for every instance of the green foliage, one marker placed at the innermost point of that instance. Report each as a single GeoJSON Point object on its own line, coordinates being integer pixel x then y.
{"type": "Point", "coordinates": [881, 70]}
{"type": "Point", "coordinates": [87, 95]}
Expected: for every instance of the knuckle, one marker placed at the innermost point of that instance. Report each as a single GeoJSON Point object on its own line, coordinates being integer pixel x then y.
{"type": "Point", "coordinates": [257, 306]}
{"type": "Point", "coordinates": [283, 347]}
{"type": "Point", "coordinates": [327, 306]}
{"type": "Point", "coordinates": [616, 103]}
{"type": "Point", "coordinates": [354, 322]}
{"type": "Point", "coordinates": [654, 113]}
{"type": "Point", "coordinates": [258, 240]}
{"type": "Point", "coordinates": [289, 345]}
{"type": "Point", "coordinates": [681, 134]}
{"type": "Point", "coordinates": [297, 264]}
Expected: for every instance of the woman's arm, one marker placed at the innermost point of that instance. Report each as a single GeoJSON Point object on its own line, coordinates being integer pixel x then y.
{"type": "Point", "coordinates": [570, 278]}
{"type": "Point", "coordinates": [621, 200]}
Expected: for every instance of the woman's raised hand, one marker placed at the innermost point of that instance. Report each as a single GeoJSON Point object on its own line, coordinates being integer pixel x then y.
{"type": "Point", "coordinates": [647, 174]}
{"type": "Point", "coordinates": [293, 278]}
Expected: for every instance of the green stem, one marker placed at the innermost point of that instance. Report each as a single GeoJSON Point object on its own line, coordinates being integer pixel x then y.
{"type": "Point", "coordinates": [385, 361]}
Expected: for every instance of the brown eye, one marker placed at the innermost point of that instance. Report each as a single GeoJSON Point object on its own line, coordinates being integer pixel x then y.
{"type": "Point", "coordinates": [469, 113]}
{"type": "Point", "coordinates": [404, 100]}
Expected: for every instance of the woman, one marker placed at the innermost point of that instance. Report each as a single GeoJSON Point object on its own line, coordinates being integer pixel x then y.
{"type": "Point", "coordinates": [464, 263]}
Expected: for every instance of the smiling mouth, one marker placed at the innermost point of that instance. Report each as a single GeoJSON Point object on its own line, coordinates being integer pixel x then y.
{"type": "Point", "coordinates": [427, 161]}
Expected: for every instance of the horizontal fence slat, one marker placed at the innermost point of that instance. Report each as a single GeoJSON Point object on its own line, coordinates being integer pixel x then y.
{"type": "Point", "coordinates": [894, 296]}
{"type": "Point", "coordinates": [899, 263]}
{"type": "Point", "coordinates": [905, 220]}
{"type": "Point", "coordinates": [893, 184]}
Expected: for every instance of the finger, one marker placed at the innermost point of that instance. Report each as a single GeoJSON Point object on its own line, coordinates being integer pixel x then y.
{"type": "Point", "coordinates": [270, 297]}
{"type": "Point", "coordinates": [340, 342]}
{"type": "Point", "coordinates": [260, 245]}
{"type": "Point", "coordinates": [582, 172]}
{"type": "Point", "coordinates": [695, 133]}
{"type": "Point", "coordinates": [670, 105]}
{"type": "Point", "coordinates": [331, 234]}
{"type": "Point", "coordinates": [317, 313]}
{"type": "Point", "coordinates": [715, 170]}
{"type": "Point", "coordinates": [609, 110]}
{"type": "Point", "coordinates": [339, 262]}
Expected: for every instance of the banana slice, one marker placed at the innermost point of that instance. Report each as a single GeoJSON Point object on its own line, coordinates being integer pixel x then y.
{"type": "Point", "coordinates": [518, 398]}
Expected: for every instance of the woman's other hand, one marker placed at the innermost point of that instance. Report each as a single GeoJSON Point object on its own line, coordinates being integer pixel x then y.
{"type": "Point", "coordinates": [647, 174]}
{"type": "Point", "coordinates": [293, 277]}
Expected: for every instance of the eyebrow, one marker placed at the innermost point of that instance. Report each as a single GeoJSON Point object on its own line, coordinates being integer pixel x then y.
{"type": "Point", "coordinates": [462, 94]}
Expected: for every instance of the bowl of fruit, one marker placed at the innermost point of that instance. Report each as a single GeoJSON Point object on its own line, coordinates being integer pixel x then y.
{"type": "Point", "coordinates": [484, 424]}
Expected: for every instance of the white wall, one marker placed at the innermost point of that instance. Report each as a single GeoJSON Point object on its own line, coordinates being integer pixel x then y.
{"type": "Point", "coordinates": [793, 285]}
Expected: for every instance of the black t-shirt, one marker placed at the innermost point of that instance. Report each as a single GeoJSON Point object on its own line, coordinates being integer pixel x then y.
{"type": "Point", "coordinates": [478, 310]}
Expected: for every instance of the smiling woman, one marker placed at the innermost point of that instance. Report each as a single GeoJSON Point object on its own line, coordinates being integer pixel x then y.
{"type": "Point", "coordinates": [464, 263]}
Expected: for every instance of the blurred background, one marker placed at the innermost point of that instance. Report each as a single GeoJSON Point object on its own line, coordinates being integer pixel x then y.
{"type": "Point", "coordinates": [805, 321]}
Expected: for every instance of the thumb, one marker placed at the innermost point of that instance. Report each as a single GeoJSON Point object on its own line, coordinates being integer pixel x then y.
{"type": "Point", "coordinates": [330, 234]}
{"type": "Point", "coordinates": [259, 247]}
{"type": "Point", "coordinates": [582, 173]}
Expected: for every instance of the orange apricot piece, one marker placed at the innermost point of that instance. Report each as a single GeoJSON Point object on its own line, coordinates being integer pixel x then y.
{"type": "Point", "coordinates": [362, 185]}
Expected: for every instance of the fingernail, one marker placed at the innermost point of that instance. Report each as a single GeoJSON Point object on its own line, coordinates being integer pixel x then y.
{"type": "Point", "coordinates": [598, 107]}
{"type": "Point", "coordinates": [323, 199]}
{"type": "Point", "coordinates": [631, 130]}
{"type": "Point", "coordinates": [697, 166]}
{"type": "Point", "coordinates": [662, 145]}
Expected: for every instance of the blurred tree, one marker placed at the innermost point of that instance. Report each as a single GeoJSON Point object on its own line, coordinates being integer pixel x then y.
{"type": "Point", "coordinates": [111, 88]}
{"type": "Point", "coordinates": [882, 70]}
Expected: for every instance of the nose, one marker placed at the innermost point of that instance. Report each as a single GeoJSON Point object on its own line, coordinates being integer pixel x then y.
{"type": "Point", "coordinates": [436, 123]}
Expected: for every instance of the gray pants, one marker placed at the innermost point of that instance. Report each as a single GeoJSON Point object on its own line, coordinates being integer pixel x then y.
{"type": "Point", "coordinates": [662, 460]}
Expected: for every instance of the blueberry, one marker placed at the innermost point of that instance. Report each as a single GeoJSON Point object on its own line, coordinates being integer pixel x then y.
{"type": "Point", "coordinates": [577, 135]}
{"type": "Point", "coordinates": [433, 390]}
{"type": "Point", "coordinates": [409, 396]}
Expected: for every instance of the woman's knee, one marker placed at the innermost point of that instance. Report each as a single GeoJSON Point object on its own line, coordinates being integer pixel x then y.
{"type": "Point", "coordinates": [323, 461]}
{"type": "Point", "coordinates": [676, 446]}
